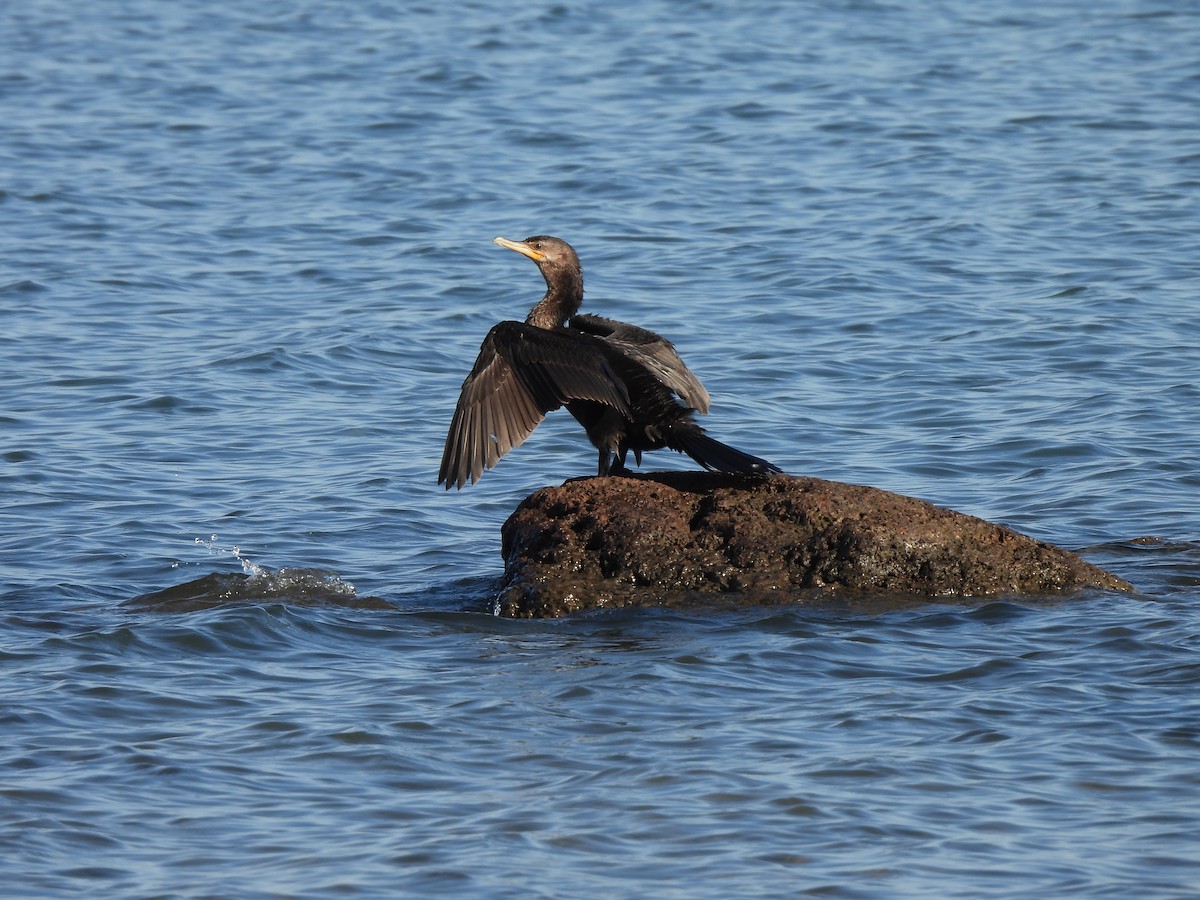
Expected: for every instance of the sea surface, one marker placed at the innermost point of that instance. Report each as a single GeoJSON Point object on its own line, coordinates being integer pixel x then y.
{"type": "Point", "coordinates": [946, 248]}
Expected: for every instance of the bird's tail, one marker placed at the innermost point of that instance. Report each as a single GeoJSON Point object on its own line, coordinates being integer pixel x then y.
{"type": "Point", "coordinates": [714, 455]}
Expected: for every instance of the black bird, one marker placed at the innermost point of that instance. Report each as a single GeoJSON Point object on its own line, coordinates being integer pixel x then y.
{"type": "Point", "coordinates": [618, 380]}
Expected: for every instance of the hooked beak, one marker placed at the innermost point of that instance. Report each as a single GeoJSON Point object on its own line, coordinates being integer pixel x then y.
{"type": "Point", "coordinates": [521, 247]}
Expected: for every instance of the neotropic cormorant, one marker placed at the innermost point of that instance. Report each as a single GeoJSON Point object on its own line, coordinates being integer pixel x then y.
{"type": "Point", "coordinates": [618, 380]}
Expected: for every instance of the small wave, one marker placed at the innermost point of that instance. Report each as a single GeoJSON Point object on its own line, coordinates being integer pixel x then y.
{"type": "Point", "coordinates": [256, 584]}
{"type": "Point", "coordinates": [25, 286]}
{"type": "Point", "coordinates": [294, 586]}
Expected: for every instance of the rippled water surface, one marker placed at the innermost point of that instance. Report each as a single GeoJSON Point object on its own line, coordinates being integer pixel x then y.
{"type": "Point", "coordinates": [947, 249]}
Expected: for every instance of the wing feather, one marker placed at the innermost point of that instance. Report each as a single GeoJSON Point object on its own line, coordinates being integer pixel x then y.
{"type": "Point", "coordinates": [653, 352]}
{"type": "Point", "coordinates": [522, 373]}
{"type": "Point", "coordinates": [490, 441]}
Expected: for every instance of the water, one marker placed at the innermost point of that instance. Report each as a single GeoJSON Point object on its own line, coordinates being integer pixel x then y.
{"type": "Point", "coordinates": [245, 262]}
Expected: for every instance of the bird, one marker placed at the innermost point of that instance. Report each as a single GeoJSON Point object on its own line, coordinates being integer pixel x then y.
{"type": "Point", "coordinates": [625, 385]}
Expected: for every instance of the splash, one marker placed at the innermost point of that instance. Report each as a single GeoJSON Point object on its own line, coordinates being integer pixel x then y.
{"type": "Point", "coordinates": [249, 567]}
{"type": "Point", "coordinates": [256, 584]}
{"type": "Point", "coordinates": [284, 580]}
{"type": "Point", "coordinates": [288, 581]}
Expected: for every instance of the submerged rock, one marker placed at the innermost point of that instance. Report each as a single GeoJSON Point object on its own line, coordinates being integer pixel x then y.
{"type": "Point", "coordinates": [677, 538]}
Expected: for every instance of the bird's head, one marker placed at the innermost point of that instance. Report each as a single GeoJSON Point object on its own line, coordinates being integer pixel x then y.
{"type": "Point", "coordinates": [554, 256]}
{"type": "Point", "coordinates": [564, 278]}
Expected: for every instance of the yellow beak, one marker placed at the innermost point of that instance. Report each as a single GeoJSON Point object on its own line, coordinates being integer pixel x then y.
{"type": "Point", "coordinates": [521, 247]}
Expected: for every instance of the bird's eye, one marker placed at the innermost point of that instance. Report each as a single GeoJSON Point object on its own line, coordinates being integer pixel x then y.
{"type": "Point", "coordinates": [537, 246]}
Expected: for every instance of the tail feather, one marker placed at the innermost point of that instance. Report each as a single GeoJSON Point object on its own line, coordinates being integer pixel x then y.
{"type": "Point", "coordinates": [715, 456]}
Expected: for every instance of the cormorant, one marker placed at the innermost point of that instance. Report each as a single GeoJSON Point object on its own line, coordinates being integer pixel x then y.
{"type": "Point", "coordinates": [618, 380]}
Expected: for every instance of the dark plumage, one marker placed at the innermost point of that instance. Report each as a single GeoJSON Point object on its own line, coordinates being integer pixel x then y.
{"type": "Point", "coordinates": [619, 381]}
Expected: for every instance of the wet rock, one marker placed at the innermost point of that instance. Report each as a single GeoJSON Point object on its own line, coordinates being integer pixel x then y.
{"type": "Point", "coordinates": [679, 538]}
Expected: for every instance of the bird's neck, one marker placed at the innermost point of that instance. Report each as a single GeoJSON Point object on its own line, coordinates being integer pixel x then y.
{"type": "Point", "coordinates": [563, 299]}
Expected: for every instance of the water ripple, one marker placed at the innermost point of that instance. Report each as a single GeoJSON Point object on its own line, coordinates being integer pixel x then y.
{"type": "Point", "coordinates": [246, 264]}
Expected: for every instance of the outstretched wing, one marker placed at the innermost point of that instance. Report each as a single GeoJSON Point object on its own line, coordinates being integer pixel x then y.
{"type": "Point", "coordinates": [521, 374]}
{"type": "Point", "coordinates": [653, 351]}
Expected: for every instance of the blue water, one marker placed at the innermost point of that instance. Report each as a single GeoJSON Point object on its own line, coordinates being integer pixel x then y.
{"type": "Point", "coordinates": [944, 248]}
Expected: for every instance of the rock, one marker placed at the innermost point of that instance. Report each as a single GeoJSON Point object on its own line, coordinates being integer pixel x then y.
{"type": "Point", "coordinates": [678, 538]}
